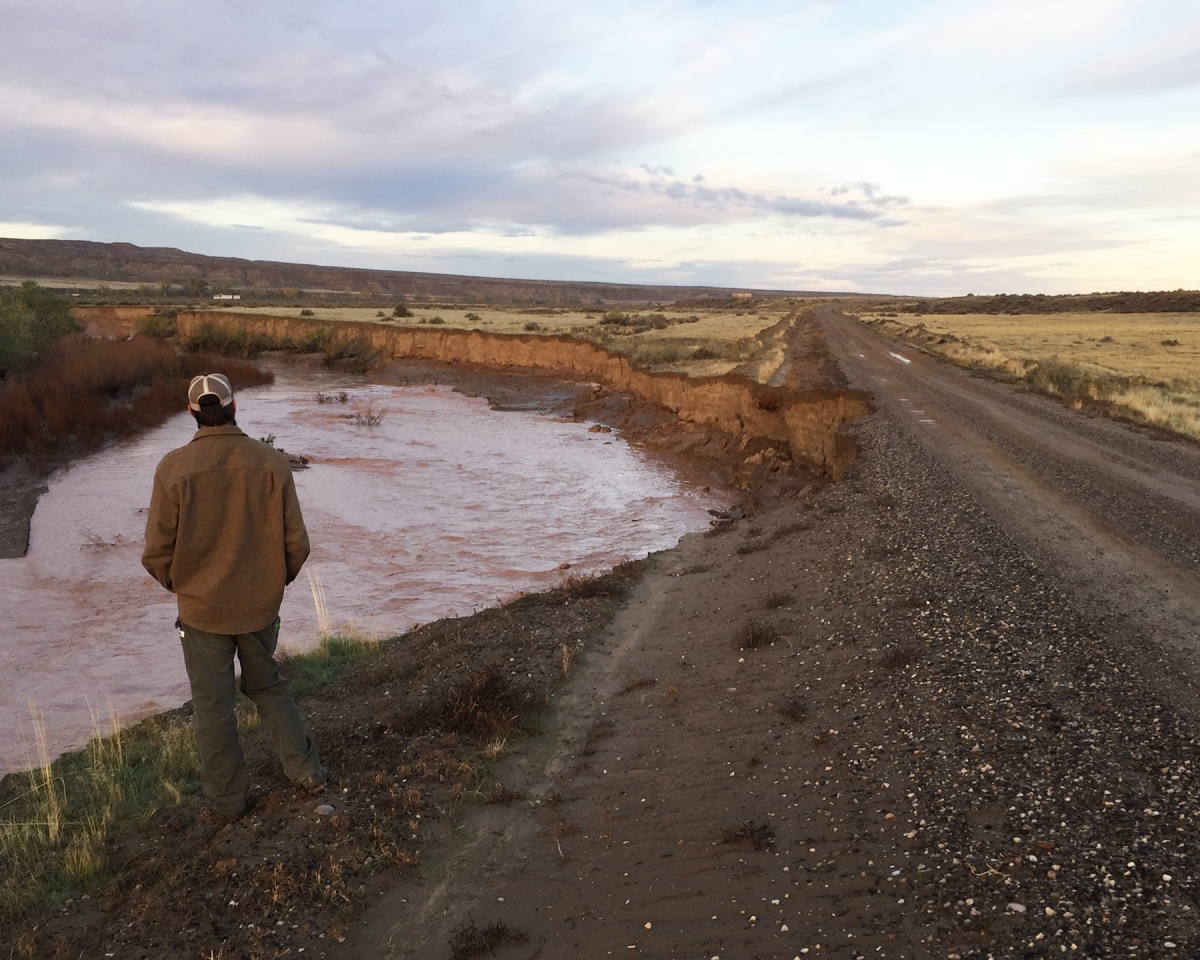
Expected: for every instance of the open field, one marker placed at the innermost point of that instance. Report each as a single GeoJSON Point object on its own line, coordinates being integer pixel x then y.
{"type": "Point", "coordinates": [68, 283]}
{"type": "Point", "coordinates": [1145, 365]}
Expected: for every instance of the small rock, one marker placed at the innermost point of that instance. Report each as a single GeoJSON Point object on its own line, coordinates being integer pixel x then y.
{"type": "Point", "coordinates": [323, 810]}
{"type": "Point", "coordinates": [1017, 907]}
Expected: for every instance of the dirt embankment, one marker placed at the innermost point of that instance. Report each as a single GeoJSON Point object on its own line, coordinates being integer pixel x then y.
{"type": "Point", "coordinates": [777, 425]}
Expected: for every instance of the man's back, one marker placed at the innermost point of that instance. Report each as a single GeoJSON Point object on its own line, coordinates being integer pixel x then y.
{"type": "Point", "coordinates": [225, 532]}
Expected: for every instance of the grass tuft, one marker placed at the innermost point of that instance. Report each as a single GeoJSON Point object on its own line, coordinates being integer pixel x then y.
{"type": "Point", "coordinates": [469, 940]}
{"type": "Point", "coordinates": [761, 836]}
{"type": "Point", "coordinates": [794, 709]}
{"type": "Point", "coordinates": [328, 663]}
{"type": "Point", "coordinates": [754, 634]}
{"type": "Point", "coordinates": [57, 820]}
{"type": "Point", "coordinates": [485, 703]}
{"type": "Point", "coordinates": [901, 657]}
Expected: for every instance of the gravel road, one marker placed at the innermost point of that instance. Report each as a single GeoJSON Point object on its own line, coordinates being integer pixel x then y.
{"type": "Point", "coordinates": [1112, 510]}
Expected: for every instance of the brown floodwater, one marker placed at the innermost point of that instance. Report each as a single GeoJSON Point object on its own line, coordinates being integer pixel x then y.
{"type": "Point", "coordinates": [444, 507]}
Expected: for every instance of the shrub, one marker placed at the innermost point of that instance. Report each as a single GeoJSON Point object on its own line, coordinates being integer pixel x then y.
{"type": "Point", "coordinates": [18, 416]}
{"type": "Point", "coordinates": [227, 341]}
{"type": "Point", "coordinates": [1070, 380]}
{"type": "Point", "coordinates": [659, 354]}
{"type": "Point", "coordinates": [31, 319]}
{"type": "Point", "coordinates": [355, 355]}
{"type": "Point", "coordinates": [91, 389]}
{"type": "Point", "coordinates": [318, 340]}
{"type": "Point", "coordinates": [157, 325]}
{"type": "Point", "coordinates": [401, 310]}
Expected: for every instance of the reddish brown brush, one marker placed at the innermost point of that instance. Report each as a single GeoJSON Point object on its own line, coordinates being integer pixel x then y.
{"type": "Point", "coordinates": [92, 389]}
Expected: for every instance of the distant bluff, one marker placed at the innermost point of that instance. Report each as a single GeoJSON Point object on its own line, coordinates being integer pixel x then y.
{"type": "Point", "coordinates": [83, 260]}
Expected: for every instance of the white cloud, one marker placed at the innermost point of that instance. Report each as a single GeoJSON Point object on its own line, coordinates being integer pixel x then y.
{"type": "Point", "coordinates": [1167, 62]}
{"type": "Point", "coordinates": [22, 230]}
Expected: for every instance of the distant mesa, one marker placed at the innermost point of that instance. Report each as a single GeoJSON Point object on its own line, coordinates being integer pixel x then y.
{"type": "Point", "coordinates": [196, 275]}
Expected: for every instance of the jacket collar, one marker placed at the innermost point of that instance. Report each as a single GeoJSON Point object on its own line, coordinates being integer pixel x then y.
{"type": "Point", "coordinates": [225, 430]}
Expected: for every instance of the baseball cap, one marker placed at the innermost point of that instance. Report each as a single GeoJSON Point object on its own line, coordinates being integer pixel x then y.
{"type": "Point", "coordinates": [209, 385]}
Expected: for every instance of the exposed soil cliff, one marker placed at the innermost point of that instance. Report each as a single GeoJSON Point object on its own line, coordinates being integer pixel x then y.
{"type": "Point", "coordinates": [776, 425]}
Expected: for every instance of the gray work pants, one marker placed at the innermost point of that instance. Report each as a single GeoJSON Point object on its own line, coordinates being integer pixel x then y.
{"type": "Point", "coordinates": [224, 775]}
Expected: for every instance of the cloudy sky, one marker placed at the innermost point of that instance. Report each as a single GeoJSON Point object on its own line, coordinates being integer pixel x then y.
{"type": "Point", "coordinates": [903, 146]}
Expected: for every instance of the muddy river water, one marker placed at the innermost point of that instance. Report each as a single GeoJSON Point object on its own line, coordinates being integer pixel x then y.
{"type": "Point", "coordinates": [443, 507]}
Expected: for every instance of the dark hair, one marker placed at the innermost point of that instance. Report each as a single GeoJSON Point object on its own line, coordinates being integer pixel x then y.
{"type": "Point", "coordinates": [212, 414]}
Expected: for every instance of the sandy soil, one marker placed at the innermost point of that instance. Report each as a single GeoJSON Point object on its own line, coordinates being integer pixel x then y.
{"type": "Point", "coordinates": [893, 717]}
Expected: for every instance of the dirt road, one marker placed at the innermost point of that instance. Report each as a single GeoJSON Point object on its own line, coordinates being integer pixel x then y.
{"type": "Point", "coordinates": [1112, 510]}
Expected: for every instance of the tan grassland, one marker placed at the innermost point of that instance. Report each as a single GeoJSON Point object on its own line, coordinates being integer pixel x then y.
{"type": "Point", "coordinates": [84, 285]}
{"type": "Point", "coordinates": [1146, 365]}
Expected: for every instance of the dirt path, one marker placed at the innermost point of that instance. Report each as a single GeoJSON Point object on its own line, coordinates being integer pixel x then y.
{"type": "Point", "coordinates": [873, 722]}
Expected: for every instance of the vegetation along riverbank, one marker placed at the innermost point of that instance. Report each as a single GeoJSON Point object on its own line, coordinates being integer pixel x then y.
{"type": "Point", "coordinates": [64, 394]}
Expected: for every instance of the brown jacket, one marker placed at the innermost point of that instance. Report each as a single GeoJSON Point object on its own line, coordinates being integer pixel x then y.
{"type": "Point", "coordinates": [224, 532]}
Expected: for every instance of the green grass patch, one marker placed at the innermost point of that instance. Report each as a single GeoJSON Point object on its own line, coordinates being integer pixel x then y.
{"type": "Point", "coordinates": [56, 819]}
{"type": "Point", "coordinates": [328, 663]}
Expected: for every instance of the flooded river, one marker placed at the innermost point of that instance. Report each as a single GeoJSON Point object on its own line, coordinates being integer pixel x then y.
{"type": "Point", "coordinates": [445, 506]}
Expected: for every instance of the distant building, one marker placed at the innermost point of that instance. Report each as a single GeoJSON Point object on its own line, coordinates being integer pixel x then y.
{"type": "Point", "coordinates": [227, 296]}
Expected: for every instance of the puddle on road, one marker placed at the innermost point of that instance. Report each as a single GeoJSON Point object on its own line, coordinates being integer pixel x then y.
{"type": "Point", "coordinates": [444, 507]}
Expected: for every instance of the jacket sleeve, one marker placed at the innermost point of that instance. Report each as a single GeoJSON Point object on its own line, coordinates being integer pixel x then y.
{"type": "Point", "coordinates": [295, 535]}
{"type": "Point", "coordinates": [162, 521]}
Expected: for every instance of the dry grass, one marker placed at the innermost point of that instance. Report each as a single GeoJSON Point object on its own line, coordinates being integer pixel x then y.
{"type": "Point", "coordinates": [409, 728]}
{"type": "Point", "coordinates": [1144, 365]}
{"type": "Point", "coordinates": [755, 634]}
{"type": "Point", "coordinates": [469, 940]}
{"type": "Point", "coordinates": [56, 820]}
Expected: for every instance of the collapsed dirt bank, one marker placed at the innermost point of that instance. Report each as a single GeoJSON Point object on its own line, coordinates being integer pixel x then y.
{"type": "Point", "coordinates": [800, 424]}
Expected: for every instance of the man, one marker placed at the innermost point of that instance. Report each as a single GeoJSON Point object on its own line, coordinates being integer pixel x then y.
{"type": "Point", "coordinates": [225, 535]}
